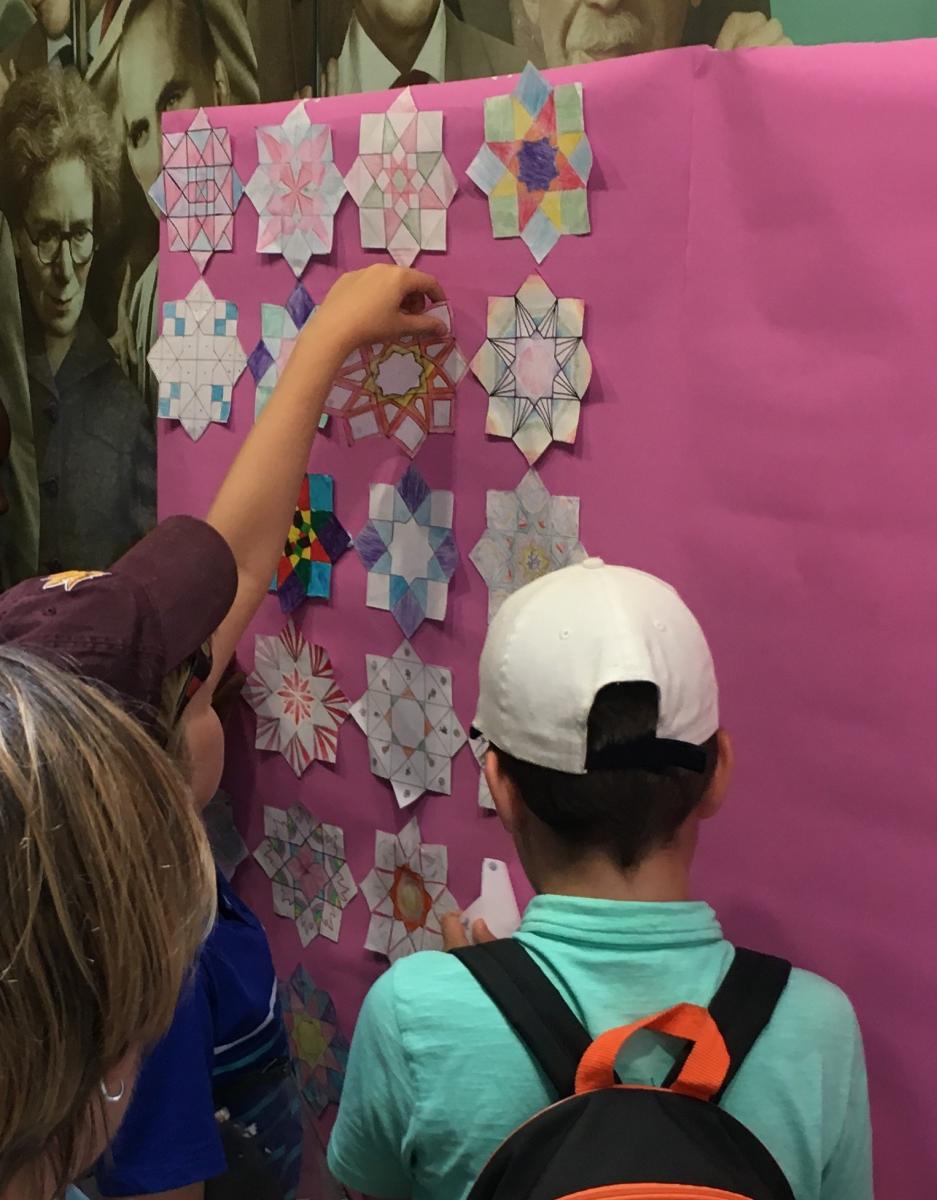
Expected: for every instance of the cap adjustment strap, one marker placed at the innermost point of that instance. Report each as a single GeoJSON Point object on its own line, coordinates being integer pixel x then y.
{"type": "Point", "coordinates": [649, 753]}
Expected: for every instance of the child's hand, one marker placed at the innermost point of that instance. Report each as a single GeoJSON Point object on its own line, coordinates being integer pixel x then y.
{"type": "Point", "coordinates": [454, 936]}
{"type": "Point", "coordinates": [378, 304]}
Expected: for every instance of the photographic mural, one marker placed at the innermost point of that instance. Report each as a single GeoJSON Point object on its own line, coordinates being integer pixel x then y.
{"type": "Point", "coordinates": [83, 86]}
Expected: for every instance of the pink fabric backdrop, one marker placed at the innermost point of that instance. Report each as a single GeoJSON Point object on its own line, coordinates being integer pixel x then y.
{"type": "Point", "coordinates": [760, 431]}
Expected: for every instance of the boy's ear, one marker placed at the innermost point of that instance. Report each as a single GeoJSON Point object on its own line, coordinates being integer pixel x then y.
{"type": "Point", "coordinates": [722, 777]}
{"type": "Point", "coordinates": [503, 793]}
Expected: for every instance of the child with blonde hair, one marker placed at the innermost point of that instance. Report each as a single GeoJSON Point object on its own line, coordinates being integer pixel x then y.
{"type": "Point", "coordinates": [106, 889]}
{"type": "Point", "coordinates": [159, 629]}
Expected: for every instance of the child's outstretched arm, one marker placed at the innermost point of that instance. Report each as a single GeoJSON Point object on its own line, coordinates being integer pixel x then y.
{"type": "Point", "coordinates": [257, 499]}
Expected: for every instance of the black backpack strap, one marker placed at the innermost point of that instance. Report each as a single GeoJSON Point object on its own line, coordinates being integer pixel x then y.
{"type": "Point", "coordinates": [532, 1006]}
{"type": "Point", "coordinates": [743, 1006]}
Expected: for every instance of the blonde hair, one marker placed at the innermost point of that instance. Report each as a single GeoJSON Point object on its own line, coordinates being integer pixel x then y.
{"type": "Point", "coordinates": [106, 890]}
{"type": "Point", "coordinates": [167, 716]}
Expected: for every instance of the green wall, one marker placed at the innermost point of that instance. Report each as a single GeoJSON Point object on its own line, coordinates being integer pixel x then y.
{"type": "Point", "coordinates": [814, 21]}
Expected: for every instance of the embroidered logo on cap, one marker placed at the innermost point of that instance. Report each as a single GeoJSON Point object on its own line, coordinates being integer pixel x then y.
{"type": "Point", "coordinates": [69, 580]}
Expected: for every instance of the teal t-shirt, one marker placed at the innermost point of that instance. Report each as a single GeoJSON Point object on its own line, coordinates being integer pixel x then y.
{"type": "Point", "coordinates": [437, 1080]}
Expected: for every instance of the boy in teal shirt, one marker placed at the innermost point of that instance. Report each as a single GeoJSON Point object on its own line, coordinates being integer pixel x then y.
{"type": "Point", "coordinates": [599, 699]}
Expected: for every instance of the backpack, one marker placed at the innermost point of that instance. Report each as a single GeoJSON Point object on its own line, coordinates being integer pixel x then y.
{"type": "Point", "coordinates": [603, 1140]}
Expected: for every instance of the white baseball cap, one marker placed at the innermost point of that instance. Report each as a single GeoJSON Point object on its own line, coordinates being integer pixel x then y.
{"type": "Point", "coordinates": [554, 645]}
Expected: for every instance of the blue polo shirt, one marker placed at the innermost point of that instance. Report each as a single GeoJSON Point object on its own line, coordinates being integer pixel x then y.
{"type": "Point", "coordinates": [228, 1027]}
{"type": "Point", "coordinates": [437, 1079]}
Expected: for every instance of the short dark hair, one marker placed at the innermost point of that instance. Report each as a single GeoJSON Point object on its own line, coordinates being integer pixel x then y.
{"type": "Point", "coordinates": [48, 116]}
{"type": "Point", "coordinates": [187, 26]}
{"type": "Point", "coordinates": [627, 813]}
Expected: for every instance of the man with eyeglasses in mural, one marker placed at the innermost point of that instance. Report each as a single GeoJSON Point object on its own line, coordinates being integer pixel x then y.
{"type": "Point", "coordinates": [91, 429]}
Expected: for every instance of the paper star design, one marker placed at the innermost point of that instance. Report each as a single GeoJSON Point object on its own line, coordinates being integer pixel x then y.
{"type": "Point", "coordinates": [305, 861]}
{"type": "Point", "coordinates": [300, 708]}
{"type": "Point", "coordinates": [535, 367]}
{"type": "Point", "coordinates": [315, 542]}
{"type": "Point", "coordinates": [296, 189]}
{"type": "Point", "coordinates": [197, 360]}
{"type": "Point", "coordinates": [529, 534]}
{"type": "Point", "coordinates": [409, 551]}
{"type": "Point", "coordinates": [280, 327]}
{"type": "Point", "coordinates": [535, 163]}
{"type": "Point", "coordinates": [402, 181]}
{"type": "Point", "coordinates": [413, 733]}
{"type": "Point", "coordinates": [198, 189]}
{"type": "Point", "coordinates": [403, 390]}
{"type": "Point", "coordinates": [480, 747]}
{"type": "Point", "coordinates": [407, 894]}
{"type": "Point", "coordinates": [320, 1049]}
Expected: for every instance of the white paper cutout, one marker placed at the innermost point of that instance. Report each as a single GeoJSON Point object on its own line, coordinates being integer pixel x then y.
{"type": "Point", "coordinates": [409, 550]}
{"type": "Point", "coordinates": [413, 732]}
{"type": "Point", "coordinates": [407, 894]}
{"type": "Point", "coordinates": [305, 861]}
{"type": "Point", "coordinates": [535, 367]}
{"type": "Point", "coordinates": [529, 534]}
{"type": "Point", "coordinates": [497, 905]}
{"type": "Point", "coordinates": [299, 706]}
{"type": "Point", "coordinates": [404, 390]}
{"type": "Point", "coordinates": [402, 181]}
{"type": "Point", "coordinates": [197, 360]}
{"type": "Point", "coordinates": [198, 189]}
{"type": "Point", "coordinates": [296, 189]}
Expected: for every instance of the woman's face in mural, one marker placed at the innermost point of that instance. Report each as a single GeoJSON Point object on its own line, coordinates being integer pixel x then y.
{"type": "Point", "coordinates": [55, 245]}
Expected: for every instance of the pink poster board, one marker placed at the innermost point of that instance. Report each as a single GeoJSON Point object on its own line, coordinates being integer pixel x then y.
{"type": "Point", "coordinates": [761, 431]}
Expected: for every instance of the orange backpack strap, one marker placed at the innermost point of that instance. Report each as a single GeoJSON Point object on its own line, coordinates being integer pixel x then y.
{"type": "Point", "coordinates": [703, 1073]}
{"type": "Point", "coordinates": [742, 1007]}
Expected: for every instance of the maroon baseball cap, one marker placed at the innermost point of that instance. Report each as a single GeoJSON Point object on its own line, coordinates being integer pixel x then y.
{"type": "Point", "coordinates": [130, 626]}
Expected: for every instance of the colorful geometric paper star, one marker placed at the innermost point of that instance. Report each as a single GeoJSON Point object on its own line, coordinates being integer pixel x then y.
{"type": "Point", "coordinates": [280, 326]}
{"type": "Point", "coordinates": [198, 189]}
{"type": "Point", "coordinates": [197, 360]}
{"type": "Point", "coordinates": [535, 163]}
{"type": "Point", "coordinates": [401, 181]}
{"type": "Point", "coordinates": [407, 894]}
{"type": "Point", "coordinates": [320, 1049]}
{"type": "Point", "coordinates": [300, 708]}
{"type": "Point", "coordinates": [315, 542]}
{"type": "Point", "coordinates": [296, 189]}
{"type": "Point", "coordinates": [404, 390]}
{"type": "Point", "coordinates": [305, 860]}
{"type": "Point", "coordinates": [409, 551]}
{"type": "Point", "coordinates": [529, 534]}
{"type": "Point", "coordinates": [413, 733]}
{"type": "Point", "coordinates": [535, 367]}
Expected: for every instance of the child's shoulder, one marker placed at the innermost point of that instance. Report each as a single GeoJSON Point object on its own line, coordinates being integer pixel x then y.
{"type": "Point", "coordinates": [413, 988]}
{"type": "Point", "coordinates": [813, 1009]}
{"type": "Point", "coordinates": [820, 995]}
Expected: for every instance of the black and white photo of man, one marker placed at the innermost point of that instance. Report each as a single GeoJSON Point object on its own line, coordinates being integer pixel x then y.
{"type": "Point", "coordinates": [390, 43]}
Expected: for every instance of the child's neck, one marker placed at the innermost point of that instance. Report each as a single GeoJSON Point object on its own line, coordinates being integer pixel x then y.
{"type": "Point", "coordinates": [661, 878]}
